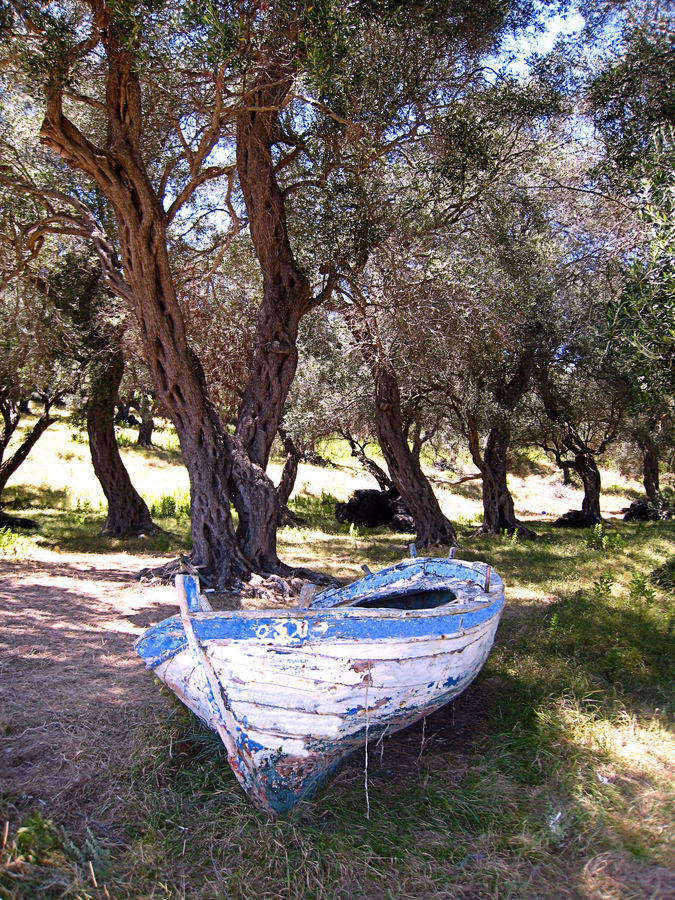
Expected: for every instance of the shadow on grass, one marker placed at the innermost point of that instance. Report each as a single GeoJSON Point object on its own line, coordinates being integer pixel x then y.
{"type": "Point", "coordinates": [470, 490]}
{"type": "Point", "coordinates": [171, 456]}
{"type": "Point", "coordinates": [612, 656]}
{"type": "Point", "coordinates": [25, 497]}
{"type": "Point", "coordinates": [79, 531]}
{"type": "Point", "coordinates": [489, 793]}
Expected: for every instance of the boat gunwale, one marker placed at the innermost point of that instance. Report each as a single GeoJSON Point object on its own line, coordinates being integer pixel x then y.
{"type": "Point", "coordinates": [450, 611]}
{"type": "Point", "coordinates": [481, 603]}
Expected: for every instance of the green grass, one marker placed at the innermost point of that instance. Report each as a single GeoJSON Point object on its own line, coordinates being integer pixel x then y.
{"type": "Point", "coordinates": [562, 751]}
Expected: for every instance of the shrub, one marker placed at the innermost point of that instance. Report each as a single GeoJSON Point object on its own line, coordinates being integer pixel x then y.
{"type": "Point", "coordinates": [639, 589]}
{"type": "Point", "coordinates": [602, 588]}
{"type": "Point", "coordinates": [171, 506]}
{"type": "Point", "coordinates": [597, 538]}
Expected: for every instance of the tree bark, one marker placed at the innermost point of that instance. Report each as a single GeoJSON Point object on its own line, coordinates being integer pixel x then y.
{"type": "Point", "coordinates": [586, 467]}
{"type": "Point", "coordinates": [147, 422]}
{"type": "Point", "coordinates": [498, 508]}
{"type": "Point", "coordinates": [211, 456]}
{"type": "Point", "coordinates": [431, 525]}
{"type": "Point", "coordinates": [384, 482]}
{"type": "Point", "coordinates": [286, 298]}
{"type": "Point", "coordinates": [650, 468]}
{"type": "Point", "coordinates": [11, 417]}
{"type": "Point", "coordinates": [290, 470]}
{"type": "Point", "coordinates": [127, 511]}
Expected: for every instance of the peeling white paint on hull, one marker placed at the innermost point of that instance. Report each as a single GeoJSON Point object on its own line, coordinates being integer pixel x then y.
{"type": "Point", "coordinates": [296, 691]}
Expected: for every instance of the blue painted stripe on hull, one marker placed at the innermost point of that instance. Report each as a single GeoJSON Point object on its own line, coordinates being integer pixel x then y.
{"type": "Point", "coordinates": [167, 638]}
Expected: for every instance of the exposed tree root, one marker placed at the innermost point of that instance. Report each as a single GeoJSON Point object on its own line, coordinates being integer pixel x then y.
{"type": "Point", "coordinates": [279, 588]}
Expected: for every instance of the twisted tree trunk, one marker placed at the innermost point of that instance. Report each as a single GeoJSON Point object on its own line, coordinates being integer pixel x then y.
{"type": "Point", "coordinates": [211, 456]}
{"type": "Point", "coordinates": [147, 422]}
{"type": "Point", "coordinates": [650, 468]}
{"type": "Point", "coordinates": [498, 508]}
{"type": "Point", "coordinates": [286, 298]}
{"type": "Point", "coordinates": [10, 413]}
{"type": "Point", "coordinates": [431, 525]}
{"type": "Point", "coordinates": [290, 470]}
{"type": "Point", "coordinates": [587, 469]}
{"type": "Point", "coordinates": [384, 482]}
{"type": "Point", "coordinates": [127, 511]}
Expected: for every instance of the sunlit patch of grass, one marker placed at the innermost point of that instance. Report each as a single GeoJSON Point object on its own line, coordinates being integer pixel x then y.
{"type": "Point", "coordinates": [79, 531]}
{"type": "Point", "coordinates": [13, 545]}
{"type": "Point", "coordinates": [26, 497]}
{"type": "Point", "coordinates": [165, 445]}
{"type": "Point", "coordinates": [318, 511]}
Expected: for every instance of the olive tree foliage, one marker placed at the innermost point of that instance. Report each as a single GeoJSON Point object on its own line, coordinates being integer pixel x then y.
{"type": "Point", "coordinates": [155, 103]}
{"type": "Point", "coordinates": [35, 358]}
{"type": "Point", "coordinates": [493, 315]}
{"type": "Point", "coordinates": [34, 362]}
{"type": "Point", "coordinates": [629, 91]}
{"type": "Point", "coordinates": [640, 326]}
{"type": "Point", "coordinates": [630, 97]}
{"type": "Point", "coordinates": [59, 247]}
{"type": "Point", "coordinates": [331, 394]}
{"type": "Point", "coordinates": [490, 134]}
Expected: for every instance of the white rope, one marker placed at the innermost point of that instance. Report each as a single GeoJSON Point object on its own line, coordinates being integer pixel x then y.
{"type": "Point", "coordinates": [424, 728]}
{"type": "Point", "coordinates": [365, 770]}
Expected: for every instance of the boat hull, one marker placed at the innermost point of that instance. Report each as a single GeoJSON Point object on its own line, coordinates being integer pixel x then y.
{"type": "Point", "coordinates": [303, 689]}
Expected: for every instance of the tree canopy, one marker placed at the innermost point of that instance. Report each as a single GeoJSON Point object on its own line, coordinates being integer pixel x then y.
{"type": "Point", "coordinates": [236, 165]}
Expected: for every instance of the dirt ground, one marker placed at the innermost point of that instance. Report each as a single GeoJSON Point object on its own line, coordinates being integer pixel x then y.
{"type": "Point", "coordinates": [71, 685]}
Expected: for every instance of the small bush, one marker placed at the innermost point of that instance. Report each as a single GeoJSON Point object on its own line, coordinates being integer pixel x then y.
{"type": "Point", "coordinates": [171, 506]}
{"type": "Point", "coordinates": [36, 838]}
{"type": "Point", "coordinates": [602, 588]}
{"type": "Point", "coordinates": [639, 588]}
{"type": "Point", "coordinates": [597, 538]}
{"type": "Point", "coordinates": [11, 544]}
{"type": "Point", "coordinates": [316, 509]}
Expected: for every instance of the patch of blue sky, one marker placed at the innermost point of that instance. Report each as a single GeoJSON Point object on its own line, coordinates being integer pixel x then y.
{"type": "Point", "coordinates": [517, 51]}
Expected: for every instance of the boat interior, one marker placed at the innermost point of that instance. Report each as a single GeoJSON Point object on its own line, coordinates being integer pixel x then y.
{"type": "Point", "coordinates": [412, 600]}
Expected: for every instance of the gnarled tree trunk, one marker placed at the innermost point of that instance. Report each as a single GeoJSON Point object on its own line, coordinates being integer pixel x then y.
{"type": "Point", "coordinates": [650, 468]}
{"type": "Point", "coordinates": [498, 508]}
{"type": "Point", "coordinates": [587, 469]}
{"type": "Point", "coordinates": [431, 525]}
{"type": "Point", "coordinates": [147, 422]}
{"type": "Point", "coordinates": [10, 413]}
{"type": "Point", "coordinates": [211, 456]}
{"type": "Point", "coordinates": [290, 470]}
{"type": "Point", "coordinates": [127, 511]}
{"type": "Point", "coordinates": [384, 482]}
{"type": "Point", "coordinates": [286, 298]}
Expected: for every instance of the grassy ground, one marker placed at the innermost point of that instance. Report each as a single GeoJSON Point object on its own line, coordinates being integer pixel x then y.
{"type": "Point", "coordinates": [553, 776]}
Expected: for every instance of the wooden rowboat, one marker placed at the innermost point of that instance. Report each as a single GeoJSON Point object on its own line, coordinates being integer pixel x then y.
{"type": "Point", "coordinates": [291, 692]}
